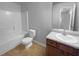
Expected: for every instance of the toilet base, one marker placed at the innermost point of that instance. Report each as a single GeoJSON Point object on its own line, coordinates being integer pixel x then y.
{"type": "Point", "coordinates": [28, 46]}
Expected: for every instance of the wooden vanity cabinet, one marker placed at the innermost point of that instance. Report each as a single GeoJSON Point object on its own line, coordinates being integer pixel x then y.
{"type": "Point", "coordinates": [53, 51]}
{"type": "Point", "coordinates": [58, 49]}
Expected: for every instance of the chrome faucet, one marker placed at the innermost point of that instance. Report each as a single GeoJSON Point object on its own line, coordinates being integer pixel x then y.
{"type": "Point", "coordinates": [64, 31]}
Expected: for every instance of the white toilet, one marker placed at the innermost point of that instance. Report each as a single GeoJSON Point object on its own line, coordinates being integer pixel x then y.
{"type": "Point", "coordinates": [27, 41]}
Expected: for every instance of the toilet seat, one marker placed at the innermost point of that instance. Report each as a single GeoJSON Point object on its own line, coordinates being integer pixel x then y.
{"type": "Point", "coordinates": [27, 40]}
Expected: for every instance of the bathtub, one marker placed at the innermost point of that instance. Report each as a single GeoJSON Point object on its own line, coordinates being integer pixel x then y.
{"type": "Point", "coordinates": [11, 42]}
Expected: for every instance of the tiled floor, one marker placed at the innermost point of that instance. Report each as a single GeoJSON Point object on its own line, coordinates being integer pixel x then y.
{"type": "Point", "coordinates": [35, 50]}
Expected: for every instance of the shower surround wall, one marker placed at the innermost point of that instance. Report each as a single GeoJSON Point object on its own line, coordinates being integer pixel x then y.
{"type": "Point", "coordinates": [10, 26]}
{"type": "Point", "coordinates": [40, 14]}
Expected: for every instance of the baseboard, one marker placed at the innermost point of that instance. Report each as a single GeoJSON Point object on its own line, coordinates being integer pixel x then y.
{"type": "Point", "coordinates": [39, 43]}
{"type": "Point", "coordinates": [7, 46]}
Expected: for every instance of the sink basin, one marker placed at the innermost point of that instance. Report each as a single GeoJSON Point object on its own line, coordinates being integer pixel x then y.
{"type": "Point", "coordinates": [66, 38]}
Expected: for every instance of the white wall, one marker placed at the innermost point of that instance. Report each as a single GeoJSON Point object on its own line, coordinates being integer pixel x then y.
{"type": "Point", "coordinates": [10, 24]}
{"type": "Point", "coordinates": [40, 14]}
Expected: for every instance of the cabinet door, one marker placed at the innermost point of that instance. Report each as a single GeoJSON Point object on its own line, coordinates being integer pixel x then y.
{"type": "Point", "coordinates": [52, 51]}
{"type": "Point", "coordinates": [68, 49]}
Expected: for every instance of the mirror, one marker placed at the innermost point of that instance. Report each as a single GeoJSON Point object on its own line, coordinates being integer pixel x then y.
{"type": "Point", "coordinates": [65, 17]}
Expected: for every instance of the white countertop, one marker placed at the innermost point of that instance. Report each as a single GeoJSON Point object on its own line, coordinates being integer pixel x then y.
{"type": "Point", "coordinates": [52, 36]}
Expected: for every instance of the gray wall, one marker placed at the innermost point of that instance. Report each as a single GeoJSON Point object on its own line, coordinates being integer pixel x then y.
{"type": "Point", "coordinates": [77, 17]}
{"type": "Point", "coordinates": [40, 14]}
{"type": "Point", "coordinates": [24, 20]}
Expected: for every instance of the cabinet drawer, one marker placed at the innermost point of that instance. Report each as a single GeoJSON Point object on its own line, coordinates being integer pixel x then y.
{"type": "Point", "coordinates": [66, 48]}
{"type": "Point", "coordinates": [51, 42]}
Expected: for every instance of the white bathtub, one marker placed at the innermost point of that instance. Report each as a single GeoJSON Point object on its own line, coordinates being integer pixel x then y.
{"type": "Point", "coordinates": [11, 42]}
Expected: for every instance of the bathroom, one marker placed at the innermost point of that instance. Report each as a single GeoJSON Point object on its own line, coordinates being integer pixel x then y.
{"type": "Point", "coordinates": [33, 23]}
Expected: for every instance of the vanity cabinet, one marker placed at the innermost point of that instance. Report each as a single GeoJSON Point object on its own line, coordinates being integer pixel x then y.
{"type": "Point", "coordinates": [55, 48]}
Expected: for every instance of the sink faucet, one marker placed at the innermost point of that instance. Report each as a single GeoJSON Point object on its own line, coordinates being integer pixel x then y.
{"type": "Point", "coordinates": [64, 31]}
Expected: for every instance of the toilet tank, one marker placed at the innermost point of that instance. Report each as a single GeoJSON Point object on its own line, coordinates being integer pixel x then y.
{"type": "Point", "coordinates": [32, 33]}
